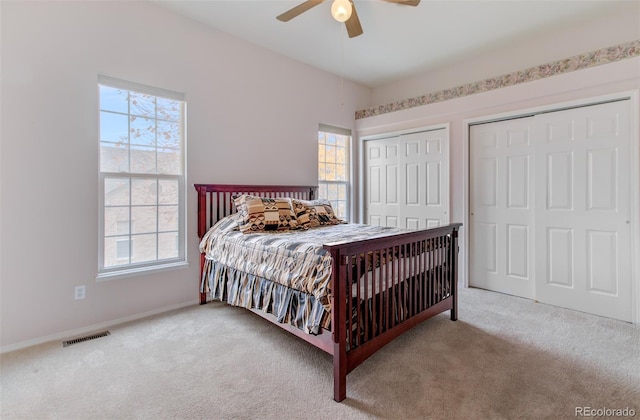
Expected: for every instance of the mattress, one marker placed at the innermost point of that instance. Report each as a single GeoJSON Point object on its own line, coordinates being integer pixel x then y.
{"type": "Point", "coordinates": [294, 258]}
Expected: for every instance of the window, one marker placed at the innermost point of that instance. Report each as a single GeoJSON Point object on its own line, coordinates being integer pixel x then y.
{"type": "Point", "coordinates": [333, 167]}
{"type": "Point", "coordinates": [142, 166]}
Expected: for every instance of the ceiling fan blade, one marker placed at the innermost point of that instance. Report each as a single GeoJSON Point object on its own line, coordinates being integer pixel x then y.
{"type": "Point", "coordinates": [353, 23]}
{"type": "Point", "coordinates": [299, 9]}
{"type": "Point", "coordinates": [405, 2]}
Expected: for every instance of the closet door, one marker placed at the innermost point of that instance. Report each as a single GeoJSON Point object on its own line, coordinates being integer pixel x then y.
{"type": "Point", "coordinates": [407, 180]}
{"type": "Point", "coordinates": [550, 208]}
{"type": "Point", "coordinates": [382, 182]}
{"type": "Point", "coordinates": [501, 206]}
{"type": "Point", "coordinates": [583, 229]}
{"type": "Point", "coordinates": [426, 179]}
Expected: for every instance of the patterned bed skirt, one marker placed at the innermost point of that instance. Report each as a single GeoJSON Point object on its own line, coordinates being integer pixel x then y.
{"type": "Point", "coordinates": [238, 288]}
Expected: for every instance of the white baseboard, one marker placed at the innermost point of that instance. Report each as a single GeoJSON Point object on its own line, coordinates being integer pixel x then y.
{"type": "Point", "coordinates": [92, 328]}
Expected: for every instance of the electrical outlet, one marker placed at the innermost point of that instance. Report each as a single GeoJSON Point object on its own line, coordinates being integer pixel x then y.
{"type": "Point", "coordinates": [80, 292]}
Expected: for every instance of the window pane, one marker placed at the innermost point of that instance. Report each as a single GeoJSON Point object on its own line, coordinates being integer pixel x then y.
{"type": "Point", "coordinates": [342, 191]}
{"type": "Point", "coordinates": [113, 99]}
{"type": "Point", "coordinates": [168, 191]}
{"type": "Point", "coordinates": [144, 191]}
{"type": "Point", "coordinates": [143, 104]}
{"type": "Point", "coordinates": [168, 218]}
{"type": "Point", "coordinates": [123, 226]}
{"type": "Point", "coordinates": [341, 173]}
{"type": "Point", "coordinates": [341, 141]}
{"type": "Point", "coordinates": [321, 154]}
{"type": "Point", "coordinates": [169, 134]}
{"type": "Point", "coordinates": [322, 190]}
{"type": "Point", "coordinates": [144, 219]}
{"type": "Point", "coordinates": [143, 159]}
{"type": "Point", "coordinates": [330, 154]}
{"type": "Point", "coordinates": [169, 109]}
{"type": "Point", "coordinates": [114, 157]}
{"type": "Point", "coordinates": [331, 138]}
{"type": "Point", "coordinates": [332, 192]}
{"type": "Point", "coordinates": [341, 155]}
{"type": "Point", "coordinates": [143, 131]}
{"type": "Point", "coordinates": [116, 192]}
{"type": "Point", "coordinates": [341, 209]}
{"type": "Point", "coordinates": [144, 248]}
{"type": "Point", "coordinates": [331, 172]}
{"type": "Point", "coordinates": [113, 252]}
{"type": "Point", "coordinates": [114, 127]}
{"type": "Point", "coordinates": [322, 168]}
{"type": "Point", "coordinates": [116, 221]}
{"type": "Point", "coordinates": [169, 162]}
{"type": "Point", "coordinates": [168, 245]}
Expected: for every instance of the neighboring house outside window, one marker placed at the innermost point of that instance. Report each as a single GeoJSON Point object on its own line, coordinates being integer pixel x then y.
{"type": "Point", "coordinates": [142, 166]}
{"type": "Point", "coordinates": [333, 167]}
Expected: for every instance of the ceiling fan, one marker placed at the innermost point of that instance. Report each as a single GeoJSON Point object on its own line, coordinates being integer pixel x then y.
{"type": "Point", "coordinates": [341, 10]}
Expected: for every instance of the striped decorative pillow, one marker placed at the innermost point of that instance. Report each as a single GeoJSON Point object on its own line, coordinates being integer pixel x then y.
{"type": "Point", "coordinates": [265, 214]}
{"type": "Point", "coordinates": [315, 213]}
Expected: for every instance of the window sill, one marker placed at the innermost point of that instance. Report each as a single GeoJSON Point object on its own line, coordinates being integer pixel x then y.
{"type": "Point", "coordinates": [140, 271]}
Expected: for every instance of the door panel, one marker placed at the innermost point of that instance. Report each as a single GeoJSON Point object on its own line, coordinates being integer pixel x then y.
{"type": "Point", "coordinates": [501, 210]}
{"type": "Point", "coordinates": [425, 161]}
{"type": "Point", "coordinates": [412, 172]}
{"type": "Point", "coordinates": [517, 251]}
{"type": "Point", "coordinates": [583, 210]}
{"type": "Point", "coordinates": [382, 182]}
{"type": "Point", "coordinates": [559, 257]}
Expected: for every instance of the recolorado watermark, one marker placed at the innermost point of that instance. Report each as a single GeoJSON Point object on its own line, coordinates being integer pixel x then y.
{"type": "Point", "coordinates": [604, 412]}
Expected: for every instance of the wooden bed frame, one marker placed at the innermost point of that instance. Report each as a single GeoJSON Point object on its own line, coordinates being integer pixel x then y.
{"type": "Point", "coordinates": [395, 298]}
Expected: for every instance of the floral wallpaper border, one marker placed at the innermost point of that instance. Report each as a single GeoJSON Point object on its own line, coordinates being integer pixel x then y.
{"type": "Point", "coordinates": [554, 68]}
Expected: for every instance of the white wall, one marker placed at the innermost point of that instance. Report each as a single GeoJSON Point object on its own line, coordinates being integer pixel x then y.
{"type": "Point", "coordinates": [252, 118]}
{"type": "Point", "coordinates": [621, 24]}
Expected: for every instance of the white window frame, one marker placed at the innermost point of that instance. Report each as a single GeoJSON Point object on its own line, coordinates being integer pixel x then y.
{"type": "Point", "coordinates": [325, 128]}
{"type": "Point", "coordinates": [132, 269]}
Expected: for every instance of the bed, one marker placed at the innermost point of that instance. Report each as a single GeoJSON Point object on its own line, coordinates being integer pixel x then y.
{"type": "Point", "coordinates": [358, 288]}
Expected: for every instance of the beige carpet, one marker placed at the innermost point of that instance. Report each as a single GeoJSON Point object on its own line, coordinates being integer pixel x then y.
{"type": "Point", "coordinates": [505, 358]}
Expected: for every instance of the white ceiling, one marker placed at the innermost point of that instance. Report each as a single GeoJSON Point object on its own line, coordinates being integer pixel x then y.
{"type": "Point", "coordinates": [398, 41]}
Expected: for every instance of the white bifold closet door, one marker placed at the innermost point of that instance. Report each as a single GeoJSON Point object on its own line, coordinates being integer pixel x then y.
{"type": "Point", "coordinates": [501, 189]}
{"type": "Point", "coordinates": [550, 208]}
{"type": "Point", "coordinates": [406, 180]}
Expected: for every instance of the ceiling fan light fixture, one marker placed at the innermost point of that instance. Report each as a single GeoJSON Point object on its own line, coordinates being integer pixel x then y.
{"type": "Point", "coordinates": [341, 10]}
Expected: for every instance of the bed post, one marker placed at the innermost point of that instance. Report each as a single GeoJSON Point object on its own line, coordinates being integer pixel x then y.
{"type": "Point", "coordinates": [202, 210]}
{"type": "Point", "coordinates": [338, 322]}
{"type": "Point", "coordinates": [203, 295]}
{"type": "Point", "coordinates": [202, 229]}
{"type": "Point", "coordinates": [454, 274]}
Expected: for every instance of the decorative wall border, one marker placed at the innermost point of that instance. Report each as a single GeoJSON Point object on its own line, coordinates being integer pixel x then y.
{"type": "Point", "coordinates": [554, 68]}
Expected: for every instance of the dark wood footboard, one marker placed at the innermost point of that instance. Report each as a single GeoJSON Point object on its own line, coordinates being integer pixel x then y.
{"type": "Point", "coordinates": [383, 287]}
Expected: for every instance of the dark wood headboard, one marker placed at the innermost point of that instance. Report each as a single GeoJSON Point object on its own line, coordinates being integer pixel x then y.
{"type": "Point", "coordinates": [215, 201]}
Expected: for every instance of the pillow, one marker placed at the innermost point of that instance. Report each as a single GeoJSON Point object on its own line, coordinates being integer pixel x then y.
{"type": "Point", "coordinates": [265, 214]}
{"type": "Point", "coordinates": [224, 225]}
{"type": "Point", "coordinates": [228, 223]}
{"type": "Point", "coordinates": [315, 213]}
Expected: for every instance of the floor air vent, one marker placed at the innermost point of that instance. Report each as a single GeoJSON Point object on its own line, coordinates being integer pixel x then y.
{"type": "Point", "coordinates": [86, 338]}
